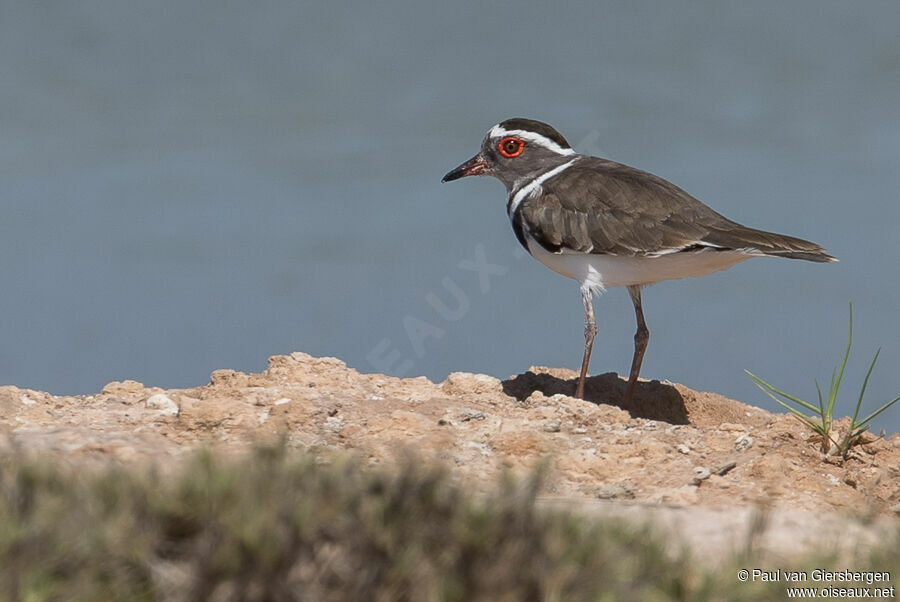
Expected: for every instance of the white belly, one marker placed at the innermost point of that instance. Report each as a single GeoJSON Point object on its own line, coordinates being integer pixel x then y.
{"type": "Point", "coordinates": [600, 272]}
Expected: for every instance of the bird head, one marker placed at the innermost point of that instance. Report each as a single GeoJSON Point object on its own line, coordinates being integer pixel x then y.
{"type": "Point", "coordinates": [515, 150]}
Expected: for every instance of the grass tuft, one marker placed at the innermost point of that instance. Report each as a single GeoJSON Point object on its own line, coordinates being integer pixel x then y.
{"type": "Point", "coordinates": [821, 421]}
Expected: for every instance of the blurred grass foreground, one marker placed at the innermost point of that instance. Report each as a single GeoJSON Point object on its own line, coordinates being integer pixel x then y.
{"type": "Point", "coordinates": [280, 525]}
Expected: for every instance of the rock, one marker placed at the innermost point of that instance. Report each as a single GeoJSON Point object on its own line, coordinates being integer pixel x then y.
{"type": "Point", "coordinates": [615, 491]}
{"type": "Point", "coordinates": [467, 415]}
{"type": "Point", "coordinates": [536, 398]}
{"type": "Point", "coordinates": [743, 442]}
{"type": "Point", "coordinates": [701, 473]}
{"type": "Point", "coordinates": [162, 404]}
{"type": "Point", "coordinates": [683, 449]}
{"type": "Point", "coordinates": [458, 383]}
{"type": "Point", "coordinates": [552, 426]}
{"type": "Point", "coordinates": [724, 467]}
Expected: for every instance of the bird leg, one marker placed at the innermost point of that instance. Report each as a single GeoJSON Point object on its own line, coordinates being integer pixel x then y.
{"type": "Point", "coordinates": [590, 329]}
{"type": "Point", "coordinates": [640, 341]}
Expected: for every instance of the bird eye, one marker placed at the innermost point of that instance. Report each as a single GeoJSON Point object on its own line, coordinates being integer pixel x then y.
{"type": "Point", "coordinates": [511, 147]}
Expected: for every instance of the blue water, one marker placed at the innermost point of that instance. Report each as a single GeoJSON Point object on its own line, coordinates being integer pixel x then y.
{"type": "Point", "coordinates": [187, 188]}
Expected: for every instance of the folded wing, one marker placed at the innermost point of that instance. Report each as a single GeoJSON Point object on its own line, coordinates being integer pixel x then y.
{"type": "Point", "coordinates": [602, 207]}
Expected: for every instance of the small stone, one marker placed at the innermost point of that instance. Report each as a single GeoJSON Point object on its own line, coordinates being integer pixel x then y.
{"type": "Point", "coordinates": [334, 424]}
{"type": "Point", "coordinates": [895, 508]}
{"type": "Point", "coordinates": [536, 398]}
{"type": "Point", "coordinates": [467, 415]}
{"type": "Point", "coordinates": [651, 425]}
{"type": "Point", "coordinates": [579, 430]}
{"type": "Point", "coordinates": [282, 401]}
{"type": "Point", "coordinates": [683, 449]}
{"type": "Point", "coordinates": [27, 400]}
{"type": "Point", "coordinates": [163, 404]}
{"type": "Point", "coordinates": [743, 442]}
{"type": "Point", "coordinates": [701, 473]}
{"type": "Point", "coordinates": [724, 467]}
{"type": "Point", "coordinates": [552, 427]}
{"type": "Point", "coordinates": [615, 491]}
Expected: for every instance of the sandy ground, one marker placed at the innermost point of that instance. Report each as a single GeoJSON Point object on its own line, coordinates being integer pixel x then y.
{"type": "Point", "coordinates": [698, 465]}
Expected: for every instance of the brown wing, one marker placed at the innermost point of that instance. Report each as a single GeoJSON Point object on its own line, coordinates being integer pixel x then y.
{"type": "Point", "coordinates": [599, 206]}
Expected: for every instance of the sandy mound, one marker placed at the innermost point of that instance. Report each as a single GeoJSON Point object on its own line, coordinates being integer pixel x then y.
{"type": "Point", "coordinates": [672, 447]}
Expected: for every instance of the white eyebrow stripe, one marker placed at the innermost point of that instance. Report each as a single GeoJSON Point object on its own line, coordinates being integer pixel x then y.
{"type": "Point", "coordinates": [533, 187]}
{"type": "Point", "coordinates": [538, 139]}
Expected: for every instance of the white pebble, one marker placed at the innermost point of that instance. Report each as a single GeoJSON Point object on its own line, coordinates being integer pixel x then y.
{"type": "Point", "coordinates": [743, 442]}
{"type": "Point", "coordinates": [160, 402]}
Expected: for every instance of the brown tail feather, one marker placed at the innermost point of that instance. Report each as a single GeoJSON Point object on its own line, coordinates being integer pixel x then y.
{"type": "Point", "coordinates": [768, 243]}
{"type": "Point", "coordinates": [821, 257]}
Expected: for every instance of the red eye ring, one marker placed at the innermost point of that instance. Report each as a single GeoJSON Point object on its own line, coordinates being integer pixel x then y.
{"type": "Point", "coordinates": [511, 147]}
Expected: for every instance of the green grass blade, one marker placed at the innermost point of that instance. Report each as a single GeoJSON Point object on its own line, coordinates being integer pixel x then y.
{"type": "Point", "coordinates": [863, 390]}
{"type": "Point", "coordinates": [858, 432]}
{"type": "Point", "coordinates": [836, 383]}
{"type": "Point", "coordinates": [819, 393]}
{"type": "Point", "coordinates": [769, 389]}
{"type": "Point", "coordinates": [808, 420]}
{"type": "Point", "coordinates": [879, 410]}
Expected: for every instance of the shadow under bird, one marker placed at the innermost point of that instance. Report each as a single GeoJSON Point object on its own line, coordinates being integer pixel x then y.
{"type": "Point", "coordinates": [605, 224]}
